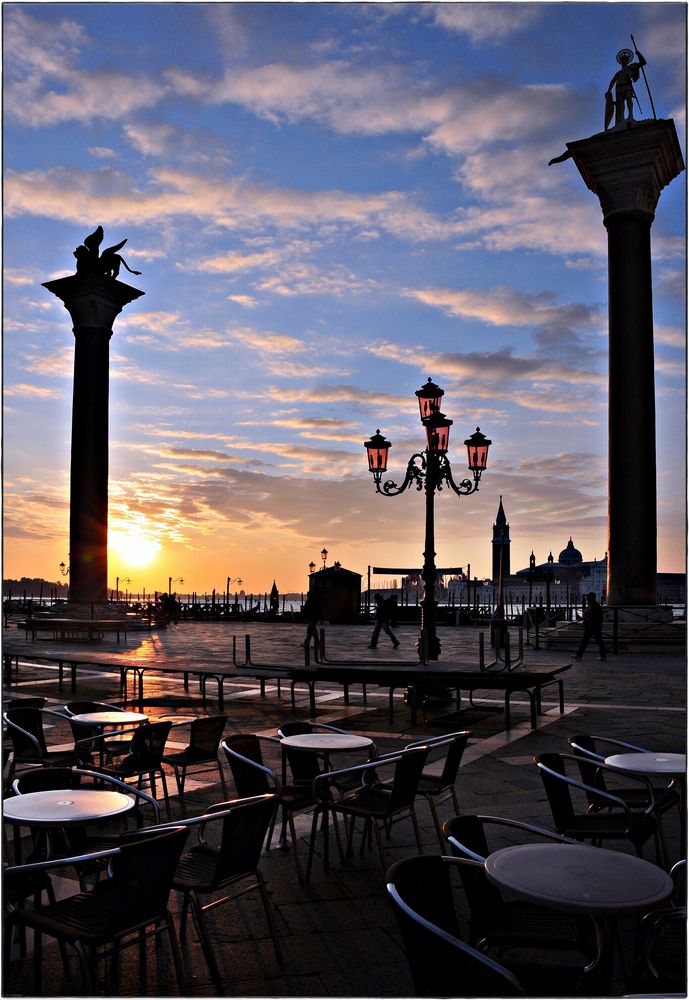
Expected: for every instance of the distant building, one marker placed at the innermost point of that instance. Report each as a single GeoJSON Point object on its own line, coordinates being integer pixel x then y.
{"type": "Point", "coordinates": [501, 545]}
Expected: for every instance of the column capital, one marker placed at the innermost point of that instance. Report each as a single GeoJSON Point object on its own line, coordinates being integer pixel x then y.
{"type": "Point", "coordinates": [92, 301]}
{"type": "Point", "coordinates": [627, 168]}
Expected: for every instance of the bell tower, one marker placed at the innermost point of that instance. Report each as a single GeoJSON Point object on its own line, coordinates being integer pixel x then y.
{"type": "Point", "coordinates": [501, 545]}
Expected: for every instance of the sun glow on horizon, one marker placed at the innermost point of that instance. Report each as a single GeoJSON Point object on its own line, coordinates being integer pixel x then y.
{"type": "Point", "coordinates": [134, 548]}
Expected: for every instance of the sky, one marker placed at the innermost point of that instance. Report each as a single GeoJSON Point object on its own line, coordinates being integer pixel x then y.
{"type": "Point", "coordinates": [329, 204]}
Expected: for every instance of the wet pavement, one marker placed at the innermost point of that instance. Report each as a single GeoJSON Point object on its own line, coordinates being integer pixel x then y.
{"type": "Point", "coordinates": [339, 934]}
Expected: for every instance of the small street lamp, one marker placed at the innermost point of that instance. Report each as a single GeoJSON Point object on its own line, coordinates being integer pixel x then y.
{"type": "Point", "coordinates": [125, 581]}
{"type": "Point", "coordinates": [429, 470]}
{"type": "Point", "coordinates": [312, 567]}
{"type": "Point", "coordinates": [324, 556]}
{"type": "Point", "coordinates": [64, 570]}
{"type": "Point", "coordinates": [170, 581]}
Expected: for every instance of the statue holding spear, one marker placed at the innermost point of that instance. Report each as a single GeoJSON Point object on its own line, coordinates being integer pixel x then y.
{"type": "Point", "coordinates": [623, 81]}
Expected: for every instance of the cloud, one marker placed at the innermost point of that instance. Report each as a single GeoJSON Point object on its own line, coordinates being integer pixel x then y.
{"type": "Point", "coordinates": [246, 301]}
{"type": "Point", "coordinates": [489, 23]}
{"type": "Point", "coordinates": [503, 306]}
{"type": "Point", "coordinates": [44, 87]}
{"type": "Point", "coordinates": [102, 152]}
{"type": "Point", "coordinates": [24, 389]}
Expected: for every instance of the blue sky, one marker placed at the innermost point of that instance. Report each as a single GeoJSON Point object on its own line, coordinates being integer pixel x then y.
{"type": "Point", "coordinates": [329, 203]}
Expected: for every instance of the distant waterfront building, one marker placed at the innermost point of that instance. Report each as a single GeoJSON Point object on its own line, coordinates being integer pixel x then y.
{"type": "Point", "coordinates": [501, 545]}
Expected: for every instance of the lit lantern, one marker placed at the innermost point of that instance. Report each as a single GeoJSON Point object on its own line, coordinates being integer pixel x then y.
{"type": "Point", "coordinates": [429, 397]}
{"type": "Point", "coordinates": [477, 450]}
{"type": "Point", "coordinates": [377, 449]}
{"type": "Point", "coordinates": [437, 432]}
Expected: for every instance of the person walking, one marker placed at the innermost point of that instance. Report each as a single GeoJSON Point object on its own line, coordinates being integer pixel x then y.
{"type": "Point", "coordinates": [593, 627]}
{"type": "Point", "coordinates": [311, 614]}
{"type": "Point", "coordinates": [384, 610]}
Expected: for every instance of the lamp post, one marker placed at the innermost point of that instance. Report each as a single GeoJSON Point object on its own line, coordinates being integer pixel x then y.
{"type": "Point", "coordinates": [429, 470]}
{"type": "Point", "coordinates": [312, 567]}
{"type": "Point", "coordinates": [125, 581]}
{"type": "Point", "coordinates": [236, 579]}
{"type": "Point", "coordinates": [170, 581]}
{"type": "Point", "coordinates": [324, 556]}
{"type": "Point", "coordinates": [64, 570]}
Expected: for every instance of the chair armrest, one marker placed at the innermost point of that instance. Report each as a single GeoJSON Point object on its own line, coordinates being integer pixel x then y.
{"type": "Point", "coordinates": [438, 740]}
{"type": "Point", "coordinates": [614, 799]}
{"type": "Point", "coordinates": [73, 861]}
{"type": "Point", "coordinates": [638, 778]}
{"type": "Point", "coordinates": [331, 777]}
{"type": "Point", "coordinates": [128, 789]}
{"type": "Point", "coordinates": [105, 736]}
{"type": "Point", "coordinates": [539, 831]}
{"type": "Point", "coordinates": [620, 743]}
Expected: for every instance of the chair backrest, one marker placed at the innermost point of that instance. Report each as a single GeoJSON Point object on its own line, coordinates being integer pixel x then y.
{"type": "Point", "coordinates": [453, 758]}
{"type": "Point", "coordinates": [557, 791]}
{"type": "Point", "coordinates": [23, 721]}
{"type": "Point", "coordinates": [80, 707]}
{"type": "Point", "coordinates": [405, 781]}
{"type": "Point", "coordinates": [141, 876]}
{"type": "Point", "coordinates": [43, 779]}
{"type": "Point", "coordinates": [205, 735]}
{"type": "Point", "coordinates": [148, 746]}
{"type": "Point", "coordinates": [243, 751]}
{"type": "Point", "coordinates": [441, 964]}
{"type": "Point", "coordinates": [243, 834]}
{"type": "Point", "coordinates": [25, 703]}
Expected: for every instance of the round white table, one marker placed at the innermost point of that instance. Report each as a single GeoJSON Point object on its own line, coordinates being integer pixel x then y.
{"type": "Point", "coordinates": [327, 743]}
{"type": "Point", "coordinates": [577, 878]}
{"type": "Point", "coordinates": [671, 764]}
{"type": "Point", "coordinates": [657, 765]}
{"type": "Point", "coordinates": [57, 807]}
{"type": "Point", "coordinates": [109, 718]}
{"type": "Point", "coordinates": [324, 744]}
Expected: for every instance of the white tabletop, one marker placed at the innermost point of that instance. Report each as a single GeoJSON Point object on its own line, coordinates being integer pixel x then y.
{"type": "Point", "coordinates": [649, 763]}
{"type": "Point", "coordinates": [109, 718]}
{"type": "Point", "coordinates": [65, 805]}
{"type": "Point", "coordinates": [577, 878]}
{"type": "Point", "coordinates": [327, 742]}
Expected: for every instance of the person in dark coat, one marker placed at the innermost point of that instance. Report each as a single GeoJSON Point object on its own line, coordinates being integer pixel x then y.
{"type": "Point", "coordinates": [593, 627]}
{"type": "Point", "coordinates": [311, 614]}
{"type": "Point", "coordinates": [385, 610]}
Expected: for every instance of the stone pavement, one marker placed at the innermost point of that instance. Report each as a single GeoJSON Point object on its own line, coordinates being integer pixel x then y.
{"type": "Point", "coordinates": [339, 935]}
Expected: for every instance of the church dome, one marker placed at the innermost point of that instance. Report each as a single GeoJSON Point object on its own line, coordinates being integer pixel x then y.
{"type": "Point", "coordinates": [570, 556]}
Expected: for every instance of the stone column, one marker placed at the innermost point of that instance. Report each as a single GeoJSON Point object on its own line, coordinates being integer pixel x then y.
{"type": "Point", "coordinates": [627, 168]}
{"type": "Point", "coordinates": [93, 302]}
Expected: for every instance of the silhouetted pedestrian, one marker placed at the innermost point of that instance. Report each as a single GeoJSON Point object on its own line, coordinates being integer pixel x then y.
{"type": "Point", "coordinates": [311, 614]}
{"type": "Point", "coordinates": [385, 610]}
{"type": "Point", "coordinates": [593, 627]}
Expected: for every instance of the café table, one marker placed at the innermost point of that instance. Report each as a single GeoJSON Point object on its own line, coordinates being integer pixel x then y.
{"type": "Point", "coordinates": [324, 744]}
{"type": "Point", "coordinates": [577, 878]}
{"type": "Point", "coordinates": [64, 806]}
{"type": "Point", "coordinates": [656, 764]}
{"type": "Point", "coordinates": [101, 720]}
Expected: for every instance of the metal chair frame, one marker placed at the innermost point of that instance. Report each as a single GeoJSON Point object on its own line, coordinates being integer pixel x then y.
{"type": "Point", "coordinates": [111, 937]}
{"type": "Point", "coordinates": [197, 755]}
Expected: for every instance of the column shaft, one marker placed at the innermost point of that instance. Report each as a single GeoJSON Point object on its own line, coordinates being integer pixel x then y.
{"type": "Point", "coordinates": [88, 523]}
{"type": "Point", "coordinates": [632, 529]}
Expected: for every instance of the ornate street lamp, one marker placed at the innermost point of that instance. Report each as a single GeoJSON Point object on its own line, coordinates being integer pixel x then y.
{"type": "Point", "coordinates": [429, 470]}
{"type": "Point", "coordinates": [170, 581]}
{"type": "Point", "coordinates": [312, 567]}
{"type": "Point", "coordinates": [324, 556]}
{"type": "Point", "coordinates": [64, 570]}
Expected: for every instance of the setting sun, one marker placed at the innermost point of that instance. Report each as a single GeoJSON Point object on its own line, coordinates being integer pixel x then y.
{"type": "Point", "coordinates": [134, 549]}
